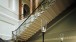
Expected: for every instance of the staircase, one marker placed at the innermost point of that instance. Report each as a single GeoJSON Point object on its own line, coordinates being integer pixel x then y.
{"type": "Point", "coordinates": [46, 12]}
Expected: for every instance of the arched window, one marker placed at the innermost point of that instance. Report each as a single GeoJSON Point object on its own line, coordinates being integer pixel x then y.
{"type": "Point", "coordinates": [26, 10]}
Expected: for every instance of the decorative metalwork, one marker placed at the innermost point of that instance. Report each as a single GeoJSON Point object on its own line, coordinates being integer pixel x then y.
{"type": "Point", "coordinates": [45, 4]}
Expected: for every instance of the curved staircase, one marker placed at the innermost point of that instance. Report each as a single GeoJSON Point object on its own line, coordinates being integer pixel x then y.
{"type": "Point", "coordinates": [45, 13]}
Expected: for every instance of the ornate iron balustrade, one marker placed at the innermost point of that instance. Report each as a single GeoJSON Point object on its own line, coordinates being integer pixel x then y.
{"type": "Point", "coordinates": [45, 4]}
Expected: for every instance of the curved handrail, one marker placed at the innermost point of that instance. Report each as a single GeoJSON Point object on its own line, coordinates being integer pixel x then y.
{"type": "Point", "coordinates": [30, 15]}
{"type": "Point", "coordinates": [42, 6]}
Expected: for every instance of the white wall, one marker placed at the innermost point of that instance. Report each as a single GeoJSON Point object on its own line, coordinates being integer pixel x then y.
{"type": "Point", "coordinates": [4, 3]}
{"type": "Point", "coordinates": [12, 5]}
{"type": "Point", "coordinates": [8, 18]}
{"type": "Point", "coordinates": [6, 30]}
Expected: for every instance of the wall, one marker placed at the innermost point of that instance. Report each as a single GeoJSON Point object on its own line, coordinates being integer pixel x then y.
{"type": "Point", "coordinates": [4, 3]}
{"type": "Point", "coordinates": [10, 4]}
{"type": "Point", "coordinates": [65, 28]}
{"type": "Point", "coordinates": [8, 18]}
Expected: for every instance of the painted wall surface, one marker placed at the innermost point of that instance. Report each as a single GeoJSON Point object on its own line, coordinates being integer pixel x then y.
{"type": "Point", "coordinates": [11, 5]}
{"type": "Point", "coordinates": [4, 3]}
{"type": "Point", "coordinates": [6, 30]}
{"type": "Point", "coordinates": [64, 30]}
{"type": "Point", "coordinates": [8, 18]}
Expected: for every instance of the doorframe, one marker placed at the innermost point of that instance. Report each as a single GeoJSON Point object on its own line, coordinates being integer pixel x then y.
{"type": "Point", "coordinates": [20, 9]}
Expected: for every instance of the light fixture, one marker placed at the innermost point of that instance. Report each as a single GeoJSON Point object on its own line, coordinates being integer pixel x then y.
{"type": "Point", "coordinates": [43, 29]}
{"type": "Point", "coordinates": [61, 37]}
